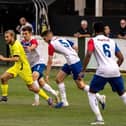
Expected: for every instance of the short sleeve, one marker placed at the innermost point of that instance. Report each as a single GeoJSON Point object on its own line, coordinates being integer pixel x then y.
{"type": "Point", "coordinates": [90, 46]}
{"type": "Point", "coordinates": [15, 50]}
{"type": "Point", "coordinates": [51, 50]}
{"type": "Point", "coordinates": [116, 48]}
{"type": "Point", "coordinates": [34, 42]}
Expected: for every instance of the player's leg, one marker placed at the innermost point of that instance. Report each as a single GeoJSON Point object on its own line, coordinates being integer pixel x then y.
{"type": "Point", "coordinates": [96, 85]}
{"type": "Point", "coordinates": [4, 85]}
{"type": "Point", "coordinates": [26, 75]}
{"type": "Point", "coordinates": [101, 98]}
{"type": "Point", "coordinates": [35, 79]}
{"type": "Point", "coordinates": [40, 69]}
{"type": "Point", "coordinates": [60, 81]}
{"type": "Point", "coordinates": [76, 69]}
{"type": "Point", "coordinates": [32, 87]}
{"type": "Point", "coordinates": [38, 75]}
{"type": "Point", "coordinates": [36, 96]}
{"type": "Point", "coordinates": [123, 97]}
{"type": "Point", "coordinates": [117, 85]}
{"type": "Point", "coordinates": [9, 74]}
{"type": "Point", "coordinates": [35, 76]}
{"type": "Point", "coordinates": [48, 88]}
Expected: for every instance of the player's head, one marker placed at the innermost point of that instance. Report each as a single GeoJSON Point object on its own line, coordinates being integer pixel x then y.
{"type": "Point", "coordinates": [22, 21]}
{"type": "Point", "coordinates": [99, 28]}
{"type": "Point", "coordinates": [27, 32]}
{"type": "Point", "coordinates": [9, 36]}
{"type": "Point", "coordinates": [47, 35]}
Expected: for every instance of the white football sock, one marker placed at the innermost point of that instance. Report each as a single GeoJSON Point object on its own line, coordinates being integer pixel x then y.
{"type": "Point", "coordinates": [36, 95]}
{"type": "Point", "coordinates": [94, 106]}
{"type": "Point", "coordinates": [49, 89]}
{"type": "Point", "coordinates": [36, 98]}
{"type": "Point", "coordinates": [86, 88]}
{"type": "Point", "coordinates": [62, 92]}
{"type": "Point", "coordinates": [98, 96]}
{"type": "Point", "coordinates": [124, 98]}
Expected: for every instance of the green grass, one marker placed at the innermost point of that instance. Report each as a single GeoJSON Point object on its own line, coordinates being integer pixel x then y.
{"type": "Point", "coordinates": [19, 112]}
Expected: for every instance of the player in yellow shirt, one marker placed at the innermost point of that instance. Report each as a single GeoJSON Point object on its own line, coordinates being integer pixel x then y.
{"type": "Point", "coordinates": [21, 67]}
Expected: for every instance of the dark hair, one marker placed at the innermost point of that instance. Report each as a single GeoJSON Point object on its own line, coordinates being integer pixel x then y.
{"type": "Point", "coordinates": [27, 28]}
{"type": "Point", "coordinates": [45, 33]}
{"type": "Point", "coordinates": [11, 32]}
{"type": "Point", "coordinates": [99, 27]}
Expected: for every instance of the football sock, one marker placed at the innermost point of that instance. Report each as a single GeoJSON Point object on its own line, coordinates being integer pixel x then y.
{"type": "Point", "coordinates": [36, 98]}
{"type": "Point", "coordinates": [43, 94]}
{"type": "Point", "coordinates": [124, 98]}
{"type": "Point", "coordinates": [86, 88]}
{"type": "Point", "coordinates": [4, 88]}
{"type": "Point", "coordinates": [62, 92]}
{"type": "Point", "coordinates": [94, 106]}
{"type": "Point", "coordinates": [36, 95]}
{"type": "Point", "coordinates": [49, 89]}
{"type": "Point", "coordinates": [98, 96]}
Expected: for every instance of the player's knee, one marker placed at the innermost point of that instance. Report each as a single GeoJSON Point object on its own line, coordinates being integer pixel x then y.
{"type": "Point", "coordinates": [80, 87]}
{"type": "Point", "coordinates": [3, 79]}
{"type": "Point", "coordinates": [123, 96]}
{"type": "Point", "coordinates": [121, 93]}
{"type": "Point", "coordinates": [42, 82]}
{"type": "Point", "coordinates": [58, 80]}
{"type": "Point", "coordinates": [35, 76]}
{"type": "Point", "coordinates": [30, 88]}
{"type": "Point", "coordinates": [33, 88]}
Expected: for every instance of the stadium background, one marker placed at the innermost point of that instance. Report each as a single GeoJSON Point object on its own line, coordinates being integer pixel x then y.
{"type": "Point", "coordinates": [64, 16]}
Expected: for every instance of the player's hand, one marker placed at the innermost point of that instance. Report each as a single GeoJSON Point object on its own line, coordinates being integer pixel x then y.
{"type": "Point", "coordinates": [81, 75]}
{"type": "Point", "coordinates": [1, 57]}
{"type": "Point", "coordinates": [47, 79]}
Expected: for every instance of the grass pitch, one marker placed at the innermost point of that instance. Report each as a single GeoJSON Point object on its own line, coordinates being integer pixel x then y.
{"type": "Point", "coordinates": [19, 112]}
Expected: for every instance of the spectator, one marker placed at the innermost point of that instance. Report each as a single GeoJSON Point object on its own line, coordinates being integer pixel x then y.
{"type": "Point", "coordinates": [122, 33]}
{"type": "Point", "coordinates": [83, 31]}
{"type": "Point", "coordinates": [23, 22]}
{"type": "Point", "coordinates": [107, 31]}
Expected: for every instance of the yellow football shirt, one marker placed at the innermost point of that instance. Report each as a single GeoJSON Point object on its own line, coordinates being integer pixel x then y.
{"type": "Point", "coordinates": [17, 49]}
{"type": "Point", "coordinates": [22, 66]}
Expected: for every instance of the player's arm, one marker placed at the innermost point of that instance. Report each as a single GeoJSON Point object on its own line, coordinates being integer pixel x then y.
{"type": "Point", "coordinates": [33, 46]}
{"type": "Point", "coordinates": [11, 59]}
{"type": "Point", "coordinates": [14, 58]}
{"type": "Point", "coordinates": [89, 53]}
{"type": "Point", "coordinates": [50, 61]}
{"type": "Point", "coordinates": [49, 66]}
{"type": "Point", "coordinates": [119, 56]}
